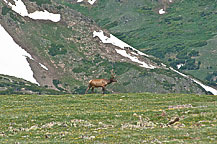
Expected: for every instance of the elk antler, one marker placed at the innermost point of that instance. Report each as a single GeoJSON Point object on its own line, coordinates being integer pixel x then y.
{"type": "Point", "coordinates": [112, 73]}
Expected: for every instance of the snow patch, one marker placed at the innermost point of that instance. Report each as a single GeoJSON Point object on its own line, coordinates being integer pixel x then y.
{"type": "Point", "coordinates": [21, 9]}
{"type": "Point", "coordinates": [89, 1]}
{"type": "Point", "coordinates": [44, 15]}
{"type": "Point", "coordinates": [163, 65]}
{"type": "Point", "coordinates": [179, 72]}
{"type": "Point", "coordinates": [112, 40]}
{"type": "Point", "coordinates": [134, 53]}
{"type": "Point", "coordinates": [13, 60]}
{"type": "Point", "coordinates": [161, 11]}
{"type": "Point", "coordinates": [179, 66]}
{"type": "Point", "coordinates": [115, 41]}
{"type": "Point", "coordinates": [207, 88]}
{"type": "Point", "coordinates": [43, 66]}
{"type": "Point", "coordinates": [134, 59]}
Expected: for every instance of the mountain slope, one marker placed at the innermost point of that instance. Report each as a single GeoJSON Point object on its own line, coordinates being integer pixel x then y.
{"type": "Point", "coordinates": [73, 57]}
{"type": "Point", "coordinates": [185, 34]}
{"type": "Point", "coordinates": [13, 85]}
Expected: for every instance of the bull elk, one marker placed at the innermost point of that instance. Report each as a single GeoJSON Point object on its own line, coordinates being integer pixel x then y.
{"type": "Point", "coordinates": [101, 83]}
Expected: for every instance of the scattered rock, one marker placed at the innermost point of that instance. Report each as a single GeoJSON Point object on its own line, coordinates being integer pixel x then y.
{"type": "Point", "coordinates": [47, 136]}
{"type": "Point", "coordinates": [135, 114]}
{"type": "Point", "coordinates": [88, 137]}
{"type": "Point", "coordinates": [2, 134]}
{"type": "Point", "coordinates": [141, 124]}
{"type": "Point", "coordinates": [163, 113]}
{"type": "Point", "coordinates": [180, 106]}
{"type": "Point", "coordinates": [173, 121]}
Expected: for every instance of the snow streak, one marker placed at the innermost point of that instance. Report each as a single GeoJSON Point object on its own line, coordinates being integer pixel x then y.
{"type": "Point", "coordinates": [21, 9]}
{"type": "Point", "coordinates": [116, 42]}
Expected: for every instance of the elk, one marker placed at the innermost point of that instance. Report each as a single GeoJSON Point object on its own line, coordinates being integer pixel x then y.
{"type": "Point", "coordinates": [101, 83]}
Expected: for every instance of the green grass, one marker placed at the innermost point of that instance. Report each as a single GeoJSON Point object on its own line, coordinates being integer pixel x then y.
{"type": "Point", "coordinates": [110, 118]}
{"type": "Point", "coordinates": [40, 2]}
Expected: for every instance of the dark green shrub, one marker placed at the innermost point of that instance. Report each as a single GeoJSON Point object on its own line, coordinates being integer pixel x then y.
{"type": "Point", "coordinates": [199, 44]}
{"type": "Point", "coordinates": [5, 10]}
{"type": "Point", "coordinates": [80, 90]}
{"type": "Point", "coordinates": [182, 55]}
{"type": "Point", "coordinates": [56, 83]}
{"type": "Point", "coordinates": [193, 53]}
{"type": "Point", "coordinates": [40, 2]}
{"type": "Point", "coordinates": [210, 77]}
{"type": "Point", "coordinates": [57, 49]}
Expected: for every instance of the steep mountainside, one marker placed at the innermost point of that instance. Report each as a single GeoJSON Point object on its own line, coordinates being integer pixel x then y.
{"type": "Point", "coordinates": [184, 35]}
{"type": "Point", "coordinates": [73, 56]}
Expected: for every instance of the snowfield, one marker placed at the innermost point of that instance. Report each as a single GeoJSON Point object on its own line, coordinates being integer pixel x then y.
{"type": "Point", "coordinates": [21, 9]}
{"type": "Point", "coordinates": [13, 60]}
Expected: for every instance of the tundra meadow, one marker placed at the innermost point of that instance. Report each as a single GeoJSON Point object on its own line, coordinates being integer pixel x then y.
{"type": "Point", "coordinates": [109, 118]}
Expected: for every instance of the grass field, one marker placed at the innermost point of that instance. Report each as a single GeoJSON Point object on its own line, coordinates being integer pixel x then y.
{"type": "Point", "coordinates": [110, 118]}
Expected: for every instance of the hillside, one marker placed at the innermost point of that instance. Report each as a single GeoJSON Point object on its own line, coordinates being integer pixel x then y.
{"type": "Point", "coordinates": [73, 56]}
{"type": "Point", "coordinates": [184, 35]}
{"type": "Point", "coordinates": [13, 85]}
{"type": "Point", "coordinates": [110, 118]}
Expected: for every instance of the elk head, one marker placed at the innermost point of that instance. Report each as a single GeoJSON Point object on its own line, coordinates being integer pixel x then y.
{"type": "Point", "coordinates": [112, 79]}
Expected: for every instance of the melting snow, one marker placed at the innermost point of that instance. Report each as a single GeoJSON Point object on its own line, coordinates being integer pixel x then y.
{"type": "Point", "coordinates": [161, 11]}
{"type": "Point", "coordinates": [44, 15]}
{"type": "Point", "coordinates": [90, 1]}
{"type": "Point", "coordinates": [13, 60]}
{"type": "Point", "coordinates": [207, 88]}
{"type": "Point", "coordinates": [115, 41]}
{"type": "Point", "coordinates": [20, 8]}
{"type": "Point", "coordinates": [134, 59]}
{"type": "Point", "coordinates": [179, 66]}
{"type": "Point", "coordinates": [43, 66]}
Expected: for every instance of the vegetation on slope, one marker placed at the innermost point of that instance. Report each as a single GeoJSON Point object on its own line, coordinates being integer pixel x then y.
{"type": "Point", "coordinates": [178, 37]}
{"type": "Point", "coordinates": [73, 56]}
{"type": "Point", "coordinates": [110, 118]}
{"type": "Point", "coordinates": [12, 85]}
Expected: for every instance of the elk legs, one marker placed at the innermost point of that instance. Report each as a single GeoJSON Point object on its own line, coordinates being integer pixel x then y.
{"type": "Point", "coordinates": [87, 89]}
{"type": "Point", "coordinates": [103, 90]}
{"type": "Point", "coordinates": [92, 89]}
